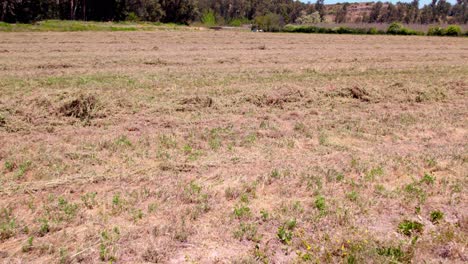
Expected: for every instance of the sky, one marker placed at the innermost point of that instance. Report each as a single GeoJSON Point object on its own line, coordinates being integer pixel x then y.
{"type": "Point", "coordinates": [421, 2]}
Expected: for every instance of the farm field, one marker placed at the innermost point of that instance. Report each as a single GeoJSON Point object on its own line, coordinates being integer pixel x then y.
{"type": "Point", "coordinates": [232, 147]}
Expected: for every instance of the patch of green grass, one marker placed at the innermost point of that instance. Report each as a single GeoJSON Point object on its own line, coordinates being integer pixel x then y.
{"type": "Point", "coordinates": [275, 174]}
{"type": "Point", "coordinates": [373, 173]}
{"type": "Point", "coordinates": [193, 193]}
{"type": "Point", "coordinates": [123, 141]}
{"type": "Point", "coordinates": [28, 246]}
{"type": "Point", "coordinates": [250, 139]}
{"type": "Point", "coordinates": [137, 214]}
{"type": "Point", "coordinates": [285, 232]}
{"type": "Point", "coordinates": [414, 191]}
{"type": "Point", "coordinates": [242, 211]}
{"type": "Point", "coordinates": [64, 257]}
{"type": "Point", "coordinates": [9, 165]}
{"type": "Point", "coordinates": [70, 25]}
{"type": "Point", "coordinates": [323, 139]}
{"type": "Point", "coordinates": [291, 224]}
{"type": "Point", "coordinates": [247, 231]}
{"type": "Point", "coordinates": [168, 141]}
{"type": "Point", "coordinates": [352, 196]}
{"type": "Point", "coordinates": [436, 216]}
{"type": "Point", "coordinates": [152, 207]}
{"type": "Point", "coordinates": [408, 227]}
{"type": "Point", "coordinates": [107, 247]}
{"type": "Point", "coordinates": [264, 215]}
{"type": "Point", "coordinates": [22, 169]}
{"type": "Point", "coordinates": [69, 209]}
{"type": "Point", "coordinates": [44, 228]}
{"type": "Point", "coordinates": [89, 199]}
{"type": "Point", "coordinates": [428, 179]}
{"type": "Point", "coordinates": [396, 254]}
{"type": "Point", "coordinates": [320, 203]}
{"type": "Point", "coordinates": [118, 203]}
{"type": "Point", "coordinates": [7, 224]}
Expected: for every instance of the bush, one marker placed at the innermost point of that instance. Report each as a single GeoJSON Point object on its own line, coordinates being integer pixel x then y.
{"type": "Point", "coordinates": [237, 22]}
{"type": "Point", "coordinates": [372, 31]}
{"type": "Point", "coordinates": [453, 30]}
{"type": "Point", "coordinates": [435, 31]}
{"type": "Point", "coordinates": [336, 30]}
{"type": "Point", "coordinates": [208, 18]}
{"type": "Point", "coordinates": [270, 22]}
{"type": "Point", "coordinates": [132, 17]}
{"type": "Point", "coordinates": [398, 29]}
{"type": "Point", "coordinates": [395, 28]}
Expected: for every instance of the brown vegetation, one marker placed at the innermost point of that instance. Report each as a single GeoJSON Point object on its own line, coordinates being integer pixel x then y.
{"type": "Point", "coordinates": [314, 148]}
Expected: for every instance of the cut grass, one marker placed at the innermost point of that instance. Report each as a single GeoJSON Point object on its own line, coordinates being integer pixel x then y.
{"type": "Point", "coordinates": [70, 26]}
{"type": "Point", "coordinates": [231, 146]}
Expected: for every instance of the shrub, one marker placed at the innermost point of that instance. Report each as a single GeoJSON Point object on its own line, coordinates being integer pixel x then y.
{"type": "Point", "coordinates": [237, 22]}
{"type": "Point", "coordinates": [398, 29]}
{"type": "Point", "coordinates": [394, 28]}
{"type": "Point", "coordinates": [208, 18]}
{"type": "Point", "coordinates": [270, 22]}
{"type": "Point", "coordinates": [453, 30]}
{"type": "Point", "coordinates": [435, 31]}
{"type": "Point", "coordinates": [309, 19]}
{"type": "Point", "coordinates": [372, 31]}
{"type": "Point", "coordinates": [132, 17]}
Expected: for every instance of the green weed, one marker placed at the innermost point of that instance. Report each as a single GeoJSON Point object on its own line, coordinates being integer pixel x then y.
{"type": "Point", "coordinates": [107, 247]}
{"type": "Point", "coordinates": [28, 246]}
{"type": "Point", "coordinates": [408, 227]}
{"type": "Point", "coordinates": [320, 203]}
{"type": "Point", "coordinates": [428, 179]}
{"type": "Point", "coordinates": [242, 212]}
{"type": "Point", "coordinates": [7, 224]}
{"type": "Point", "coordinates": [247, 231]}
{"type": "Point", "coordinates": [89, 199]}
{"type": "Point", "coordinates": [436, 216]}
{"type": "Point", "coordinates": [22, 169]}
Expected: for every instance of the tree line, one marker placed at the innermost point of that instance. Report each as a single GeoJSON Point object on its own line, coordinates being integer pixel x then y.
{"type": "Point", "coordinates": [226, 11]}
{"type": "Point", "coordinates": [438, 11]}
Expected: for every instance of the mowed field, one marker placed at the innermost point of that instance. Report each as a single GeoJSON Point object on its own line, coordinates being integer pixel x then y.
{"type": "Point", "coordinates": [232, 147]}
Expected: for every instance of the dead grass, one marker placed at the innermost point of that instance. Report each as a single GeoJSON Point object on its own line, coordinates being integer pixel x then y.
{"type": "Point", "coordinates": [209, 149]}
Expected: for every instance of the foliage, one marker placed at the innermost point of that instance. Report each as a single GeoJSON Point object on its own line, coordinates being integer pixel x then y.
{"type": "Point", "coordinates": [237, 22]}
{"type": "Point", "coordinates": [453, 30]}
{"type": "Point", "coordinates": [398, 29]}
{"type": "Point", "coordinates": [311, 18]}
{"type": "Point", "coordinates": [436, 31]}
{"type": "Point", "coordinates": [335, 30]}
{"type": "Point", "coordinates": [27, 11]}
{"type": "Point", "coordinates": [269, 22]}
{"type": "Point", "coordinates": [208, 18]}
{"type": "Point", "coordinates": [7, 224]}
{"type": "Point", "coordinates": [408, 227]}
{"type": "Point", "coordinates": [436, 216]}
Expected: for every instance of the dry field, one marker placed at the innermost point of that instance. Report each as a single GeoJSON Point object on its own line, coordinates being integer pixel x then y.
{"type": "Point", "coordinates": [232, 147]}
